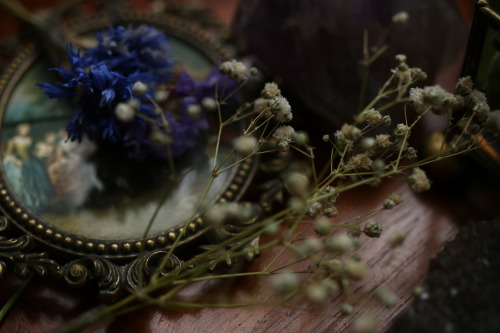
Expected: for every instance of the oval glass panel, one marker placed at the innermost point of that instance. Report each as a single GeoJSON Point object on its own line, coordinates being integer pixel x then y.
{"type": "Point", "coordinates": [83, 190]}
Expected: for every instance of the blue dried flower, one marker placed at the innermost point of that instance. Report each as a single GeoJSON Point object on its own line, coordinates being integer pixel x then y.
{"type": "Point", "coordinates": [141, 51]}
{"type": "Point", "coordinates": [104, 77]}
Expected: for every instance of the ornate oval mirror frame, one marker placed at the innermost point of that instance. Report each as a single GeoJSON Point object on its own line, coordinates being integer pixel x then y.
{"type": "Point", "coordinates": [32, 244]}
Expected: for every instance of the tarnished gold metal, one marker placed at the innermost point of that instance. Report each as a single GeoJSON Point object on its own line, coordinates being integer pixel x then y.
{"type": "Point", "coordinates": [29, 244]}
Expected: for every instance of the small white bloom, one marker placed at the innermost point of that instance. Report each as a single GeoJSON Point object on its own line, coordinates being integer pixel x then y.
{"type": "Point", "coordinates": [281, 109]}
{"type": "Point", "coordinates": [400, 58]}
{"type": "Point", "coordinates": [464, 85]}
{"type": "Point", "coordinates": [297, 183]}
{"type": "Point", "coordinates": [350, 132]}
{"type": "Point", "coordinates": [400, 18]}
{"type": "Point", "coordinates": [301, 138]}
{"type": "Point", "coordinates": [284, 283]}
{"type": "Point", "coordinates": [418, 180]}
{"type": "Point", "coordinates": [245, 144]}
{"type": "Point", "coordinates": [383, 141]}
{"type": "Point", "coordinates": [402, 130]}
{"type": "Point", "coordinates": [139, 88]}
{"type": "Point", "coordinates": [284, 133]}
{"type": "Point", "coordinates": [124, 112]}
{"type": "Point", "coordinates": [209, 103]}
{"type": "Point", "coordinates": [309, 246]}
{"type": "Point", "coordinates": [270, 90]}
{"type": "Point", "coordinates": [161, 96]}
{"type": "Point", "coordinates": [371, 116]}
{"type": "Point", "coordinates": [194, 110]}
{"type": "Point", "coordinates": [235, 69]}
{"type": "Point", "coordinates": [341, 243]}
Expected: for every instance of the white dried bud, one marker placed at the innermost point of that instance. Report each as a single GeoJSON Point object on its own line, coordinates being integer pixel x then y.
{"type": "Point", "coordinates": [134, 103]}
{"type": "Point", "coordinates": [284, 133]}
{"type": "Point", "coordinates": [160, 137]}
{"type": "Point", "coordinates": [297, 183]}
{"type": "Point", "coordinates": [392, 201]}
{"type": "Point", "coordinates": [245, 144]}
{"type": "Point", "coordinates": [254, 71]}
{"type": "Point", "coordinates": [309, 246]}
{"type": "Point", "coordinates": [326, 138]}
{"type": "Point", "coordinates": [296, 205]}
{"type": "Point", "coordinates": [281, 109]}
{"type": "Point", "coordinates": [367, 143]}
{"type": "Point", "coordinates": [371, 116]}
{"type": "Point", "coordinates": [402, 130]}
{"type": "Point", "coordinates": [386, 297]}
{"type": "Point", "coordinates": [464, 85]}
{"type": "Point", "coordinates": [270, 90]}
{"type": "Point", "coordinates": [418, 180]}
{"type": "Point", "coordinates": [209, 103]}
{"type": "Point", "coordinates": [314, 209]}
{"type": "Point", "coordinates": [373, 229]}
{"type": "Point", "coordinates": [139, 88]}
{"type": "Point", "coordinates": [382, 141]}
{"type": "Point", "coordinates": [386, 120]}
{"type": "Point", "coordinates": [350, 132]}
{"type": "Point", "coordinates": [284, 283]}
{"type": "Point", "coordinates": [493, 122]}
{"type": "Point", "coordinates": [400, 58]}
{"type": "Point", "coordinates": [346, 308]}
{"type": "Point", "coordinates": [124, 112]}
{"type": "Point", "coordinates": [378, 165]}
{"type": "Point", "coordinates": [400, 18]}
{"type": "Point", "coordinates": [161, 96]}
{"type": "Point", "coordinates": [396, 239]}
{"type": "Point", "coordinates": [235, 69]}
{"type": "Point", "coordinates": [323, 226]}
{"type": "Point", "coordinates": [283, 146]}
{"type": "Point", "coordinates": [367, 323]}
{"type": "Point", "coordinates": [341, 243]}
{"type": "Point", "coordinates": [358, 161]}
{"type": "Point", "coordinates": [356, 270]}
{"type": "Point", "coordinates": [194, 110]}
{"type": "Point", "coordinates": [262, 105]}
{"type": "Point", "coordinates": [317, 293]}
{"type": "Point", "coordinates": [301, 138]}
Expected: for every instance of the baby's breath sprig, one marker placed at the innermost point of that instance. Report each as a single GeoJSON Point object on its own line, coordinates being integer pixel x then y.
{"type": "Point", "coordinates": [322, 242]}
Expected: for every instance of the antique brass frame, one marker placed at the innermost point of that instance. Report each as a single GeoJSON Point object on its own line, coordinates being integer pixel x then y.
{"type": "Point", "coordinates": [29, 245]}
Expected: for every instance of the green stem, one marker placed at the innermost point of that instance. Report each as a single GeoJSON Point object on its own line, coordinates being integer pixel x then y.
{"type": "Point", "coordinates": [15, 296]}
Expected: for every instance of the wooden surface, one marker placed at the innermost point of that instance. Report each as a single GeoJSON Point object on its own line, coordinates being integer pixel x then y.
{"type": "Point", "coordinates": [430, 219]}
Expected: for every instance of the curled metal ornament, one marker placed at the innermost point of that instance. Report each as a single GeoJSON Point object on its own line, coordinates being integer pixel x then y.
{"type": "Point", "coordinates": [107, 275]}
{"type": "Point", "coordinates": [140, 271]}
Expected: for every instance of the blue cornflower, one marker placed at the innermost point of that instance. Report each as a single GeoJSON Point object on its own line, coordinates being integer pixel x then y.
{"type": "Point", "coordinates": [108, 108]}
{"type": "Point", "coordinates": [141, 51]}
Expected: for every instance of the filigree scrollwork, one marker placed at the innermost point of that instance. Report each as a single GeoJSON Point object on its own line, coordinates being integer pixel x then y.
{"type": "Point", "coordinates": [107, 275]}
{"type": "Point", "coordinates": [139, 271]}
{"type": "Point", "coordinates": [15, 252]}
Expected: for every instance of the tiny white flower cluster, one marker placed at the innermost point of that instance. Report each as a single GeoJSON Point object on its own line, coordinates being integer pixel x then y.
{"type": "Point", "coordinates": [418, 180]}
{"type": "Point", "coordinates": [285, 135]}
{"type": "Point", "coordinates": [434, 97]}
{"type": "Point", "coordinates": [405, 74]}
{"type": "Point", "coordinates": [371, 116]}
{"type": "Point", "coordinates": [326, 205]}
{"type": "Point", "coordinates": [281, 109]}
{"type": "Point", "coordinates": [235, 69]}
{"type": "Point", "coordinates": [272, 104]}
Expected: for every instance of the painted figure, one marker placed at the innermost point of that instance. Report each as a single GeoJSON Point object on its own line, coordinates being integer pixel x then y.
{"type": "Point", "coordinates": [26, 173]}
